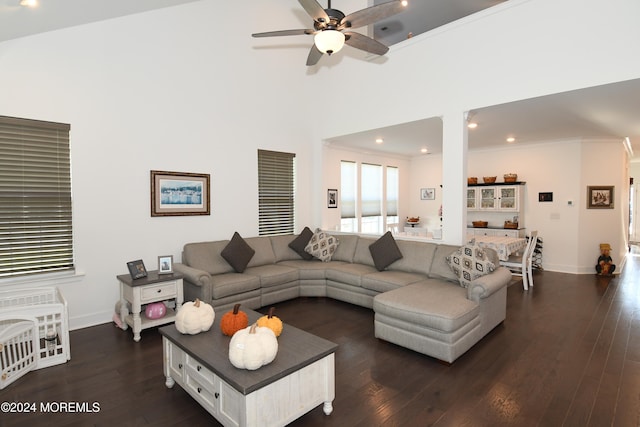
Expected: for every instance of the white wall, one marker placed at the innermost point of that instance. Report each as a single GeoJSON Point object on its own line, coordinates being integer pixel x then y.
{"type": "Point", "coordinates": [181, 89]}
{"type": "Point", "coordinates": [160, 91]}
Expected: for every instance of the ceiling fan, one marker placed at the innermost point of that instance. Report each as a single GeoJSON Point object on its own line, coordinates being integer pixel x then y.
{"type": "Point", "coordinates": [331, 28]}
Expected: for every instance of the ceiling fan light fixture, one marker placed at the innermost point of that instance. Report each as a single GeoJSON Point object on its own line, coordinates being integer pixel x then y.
{"type": "Point", "coordinates": [29, 3]}
{"type": "Point", "coordinates": [329, 41]}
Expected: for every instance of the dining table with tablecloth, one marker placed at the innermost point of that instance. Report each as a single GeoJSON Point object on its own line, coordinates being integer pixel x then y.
{"type": "Point", "coordinates": [503, 245]}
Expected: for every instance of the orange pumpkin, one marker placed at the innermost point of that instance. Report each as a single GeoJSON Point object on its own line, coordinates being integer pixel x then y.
{"type": "Point", "coordinates": [272, 322]}
{"type": "Point", "coordinates": [233, 320]}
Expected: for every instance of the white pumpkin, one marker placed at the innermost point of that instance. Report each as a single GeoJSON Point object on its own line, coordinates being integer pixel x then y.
{"type": "Point", "coordinates": [194, 317]}
{"type": "Point", "coordinates": [253, 347]}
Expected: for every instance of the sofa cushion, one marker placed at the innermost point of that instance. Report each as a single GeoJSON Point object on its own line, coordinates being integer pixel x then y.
{"type": "Point", "coordinates": [417, 257]}
{"type": "Point", "coordinates": [299, 243]}
{"type": "Point", "coordinates": [322, 245]}
{"type": "Point", "coordinates": [311, 270]}
{"type": "Point", "coordinates": [383, 281]}
{"type": "Point", "coordinates": [263, 251]}
{"type": "Point", "coordinates": [362, 255]}
{"type": "Point", "coordinates": [440, 268]}
{"type": "Point", "coordinates": [206, 256]}
{"type": "Point", "coordinates": [273, 274]}
{"type": "Point", "coordinates": [431, 303]}
{"type": "Point", "coordinates": [350, 274]}
{"type": "Point", "coordinates": [238, 253]}
{"type": "Point", "coordinates": [384, 251]}
{"type": "Point", "coordinates": [346, 247]}
{"type": "Point", "coordinates": [224, 285]}
{"type": "Point", "coordinates": [470, 262]}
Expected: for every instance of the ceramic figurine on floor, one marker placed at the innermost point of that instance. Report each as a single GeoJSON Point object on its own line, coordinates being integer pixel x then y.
{"type": "Point", "coordinates": [605, 265]}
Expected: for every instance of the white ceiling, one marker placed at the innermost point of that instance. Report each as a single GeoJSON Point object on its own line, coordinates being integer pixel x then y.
{"type": "Point", "coordinates": [603, 112]}
{"type": "Point", "coordinates": [609, 111]}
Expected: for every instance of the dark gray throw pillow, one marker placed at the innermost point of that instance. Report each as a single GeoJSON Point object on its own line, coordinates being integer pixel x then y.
{"type": "Point", "coordinates": [299, 243]}
{"type": "Point", "coordinates": [385, 251]}
{"type": "Point", "coordinates": [238, 253]}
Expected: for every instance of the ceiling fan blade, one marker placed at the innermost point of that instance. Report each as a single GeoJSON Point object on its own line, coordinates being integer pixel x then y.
{"type": "Point", "coordinates": [314, 56]}
{"type": "Point", "coordinates": [365, 43]}
{"type": "Point", "coordinates": [284, 33]}
{"type": "Point", "coordinates": [314, 9]}
{"type": "Point", "coordinates": [371, 14]}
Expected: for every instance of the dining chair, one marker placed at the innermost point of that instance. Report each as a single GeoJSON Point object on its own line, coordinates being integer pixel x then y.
{"type": "Point", "coordinates": [521, 265]}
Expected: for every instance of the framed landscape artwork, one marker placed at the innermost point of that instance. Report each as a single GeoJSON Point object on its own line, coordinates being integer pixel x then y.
{"type": "Point", "coordinates": [600, 197]}
{"type": "Point", "coordinates": [179, 193]}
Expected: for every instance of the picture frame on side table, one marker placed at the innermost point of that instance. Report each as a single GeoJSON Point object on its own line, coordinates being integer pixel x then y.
{"type": "Point", "coordinates": [136, 269]}
{"type": "Point", "coordinates": [165, 264]}
{"type": "Point", "coordinates": [427, 194]}
{"type": "Point", "coordinates": [600, 197]}
{"type": "Point", "coordinates": [179, 193]}
{"type": "Point", "coordinates": [332, 198]}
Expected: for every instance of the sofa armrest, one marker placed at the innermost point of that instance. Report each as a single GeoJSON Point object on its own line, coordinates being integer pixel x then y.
{"type": "Point", "coordinates": [488, 284]}
{"type": "Point", "coordinates": [193, 275]}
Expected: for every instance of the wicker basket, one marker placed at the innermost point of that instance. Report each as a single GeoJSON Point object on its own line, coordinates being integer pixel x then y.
{"type": "Point", "coordinates": [472, 180]}
{"type": "Point", "coordinates": [480, 224]}
{"type": "Point", "coordinates": [511, 225]}
{"type": "Point", "coordinates": [510, 177]}
{"type": "Point", "coordinates": [489, 179]}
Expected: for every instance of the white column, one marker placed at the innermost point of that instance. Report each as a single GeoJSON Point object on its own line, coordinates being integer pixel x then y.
{"type": "Point", "coordinates": [454, 177]}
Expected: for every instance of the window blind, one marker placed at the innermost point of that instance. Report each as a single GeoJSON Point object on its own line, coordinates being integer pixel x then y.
{"type": "Point", "coordinates": [371, 189]}
{"type": "Point", "coordinates": [35, 197]}
{"type": "Point", "coordinates": [392, 191]}
{"type": "Point", "coordinates": [276, 192]}
{"type": "Point", "coordinates": [348, 189]}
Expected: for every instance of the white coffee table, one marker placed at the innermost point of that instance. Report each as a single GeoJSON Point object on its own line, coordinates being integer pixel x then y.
{"type": "Point", "coordinates": [301, 377]}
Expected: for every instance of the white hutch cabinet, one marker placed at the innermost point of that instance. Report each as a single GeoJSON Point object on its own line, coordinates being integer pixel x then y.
{"type": "Point", "coordinates": [496, 203]}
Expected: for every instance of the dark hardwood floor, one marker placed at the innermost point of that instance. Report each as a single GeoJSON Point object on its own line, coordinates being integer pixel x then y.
{"type": "Point", "coordinates": [567, 354]}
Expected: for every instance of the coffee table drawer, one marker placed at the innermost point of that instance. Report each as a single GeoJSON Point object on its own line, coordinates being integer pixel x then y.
{"type": "Point", "coordinates": [200, 373]}
{"type": "Point", "coordinates": [202, 393]}
{"type": "Point", "coordinates": [161, 291]}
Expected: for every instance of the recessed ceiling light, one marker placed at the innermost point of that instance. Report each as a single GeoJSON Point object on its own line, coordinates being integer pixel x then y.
{"type": "Point", "coordinates": [472, 125]}
{"type": "Point", "coordinates": [405, 3]}
{"type": "Point", "coordinates": [511, 139]}
{"type": "Point", "coordinates": [423, 150]}
{"type": "Point", "coordinates": [29, 3]}
{"type": "Point", "coordinates": [379, 140]}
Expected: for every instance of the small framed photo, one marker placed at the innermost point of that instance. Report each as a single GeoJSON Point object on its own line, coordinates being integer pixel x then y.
{"type": "Point", "coordinates": [165, 264]}
{"type": "Point", "coordinates": [332, 198]}
{"type": "Point", "coordinates": [600, 197]}
{"type": "Point", "coordinates": [136, 269]}
{"type": "Point", "coordinates": [179, 193]}
{"type": "Point", "coordinates": [427, 194]}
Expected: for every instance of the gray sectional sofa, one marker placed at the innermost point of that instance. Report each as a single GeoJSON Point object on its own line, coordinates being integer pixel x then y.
{"type": "Point", "coordinates": [417, 300]}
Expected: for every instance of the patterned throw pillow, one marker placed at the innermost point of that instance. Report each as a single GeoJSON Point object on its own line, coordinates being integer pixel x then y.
{"type": "Point", "coordinates": [322, 245]}
{"type": "Point", "coordinates": [470, 262]}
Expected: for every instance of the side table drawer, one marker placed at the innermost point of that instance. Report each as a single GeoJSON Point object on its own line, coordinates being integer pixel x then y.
{"type": "Point", "coordinates": [161, 291]}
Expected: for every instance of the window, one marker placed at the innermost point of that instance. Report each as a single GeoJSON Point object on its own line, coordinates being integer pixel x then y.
{"type": "Point", "coordinates": [276, 191]}
{"type": "Point", "coordinates": [35, 197]}
{"type": "Point", "coordinates": [368, 205]}
{"type": "Point", "coordinates": [393, 185]}
{"type": "Point", "coordinates": [348, 196]}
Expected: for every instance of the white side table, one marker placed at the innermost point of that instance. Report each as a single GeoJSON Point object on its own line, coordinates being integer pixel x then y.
{"type": "Point", "coordinates": [153, 288]}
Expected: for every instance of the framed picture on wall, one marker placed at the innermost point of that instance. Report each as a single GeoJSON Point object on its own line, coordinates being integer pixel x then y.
{"type": "Point", "coordinates": [179, 193]}
{"type": "Point", "coordinates": [600, 197]}
{"type": "Point", "coordinates": [427, 194]}
{"type": "Point", "coordinates": [332, 198]}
